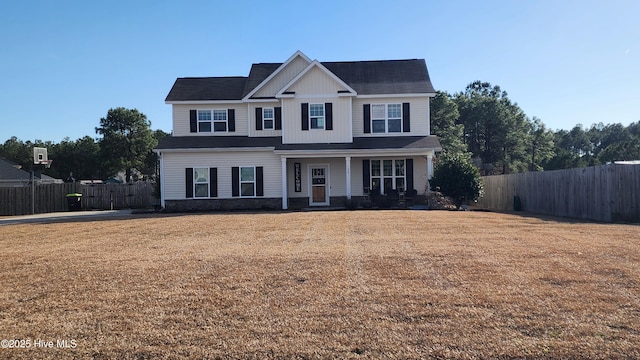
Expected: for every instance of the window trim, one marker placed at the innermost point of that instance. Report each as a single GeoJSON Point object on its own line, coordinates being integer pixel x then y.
{"type": "Point", "coordinates": [212, 121]}
{"type": "Point", "coordinates": [265, 119]}
{"type": "Point", "coordinates": [240, 182]}
{"type": "Point", "coordinates": [393, 176]}
{"type": "Point", "coordinates": [196, 182]}
{"type": "Point", "coordinates": [323, 117]}
{"type": "Point", "coordinates": [386, 118]}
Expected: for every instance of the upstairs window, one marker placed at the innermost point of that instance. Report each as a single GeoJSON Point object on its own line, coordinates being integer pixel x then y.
{"type": "Point", "coordinates": [212, 120]}
{"type": "Point", "coordinates": [386, 118]}
{"type": "Point", "coordinates": [204, 120]}
{"type": "Point", "coordinates": [316, 115]}
{"type": "Point", "coordinates": [267, 118]}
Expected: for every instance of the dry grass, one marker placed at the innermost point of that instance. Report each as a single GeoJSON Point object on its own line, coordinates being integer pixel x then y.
{"type": "Point", "coordinates": [367, 284]}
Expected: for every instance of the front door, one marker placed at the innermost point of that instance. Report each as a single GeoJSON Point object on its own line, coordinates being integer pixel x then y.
{"type": "Point", "coordinates": [319, 195]}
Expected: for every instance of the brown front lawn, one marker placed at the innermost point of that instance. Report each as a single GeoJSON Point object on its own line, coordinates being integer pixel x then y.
{"type": "Point", "coordinates": [360, 284]}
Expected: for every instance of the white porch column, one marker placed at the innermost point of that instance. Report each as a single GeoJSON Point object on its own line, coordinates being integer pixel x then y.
{"type": "Point", "coordinates": [285, 200]}
{"type": "Point", "coordinates": [429, 166]}
{"type": "Point", "coordinates": [348, 171]}
{"type": "Point", "coordinates": [162, 178]}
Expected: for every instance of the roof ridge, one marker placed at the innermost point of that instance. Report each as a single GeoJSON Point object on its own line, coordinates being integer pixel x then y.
{"type": "Point", "coordinates": [214, 77]}
{"type": "Point", "coordinates": [369, 61]}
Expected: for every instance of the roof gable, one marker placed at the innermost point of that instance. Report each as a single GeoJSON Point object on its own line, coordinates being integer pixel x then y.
{"type": "Point", "coordinates": [308, 70]}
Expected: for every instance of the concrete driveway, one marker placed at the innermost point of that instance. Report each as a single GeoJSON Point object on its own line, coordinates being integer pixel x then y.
{"type": "Point", "coordinates": [61, 216]}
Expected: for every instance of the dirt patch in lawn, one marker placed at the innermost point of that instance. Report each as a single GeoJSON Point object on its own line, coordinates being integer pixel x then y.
{"type": "Point", "coordinates": [361, 284]}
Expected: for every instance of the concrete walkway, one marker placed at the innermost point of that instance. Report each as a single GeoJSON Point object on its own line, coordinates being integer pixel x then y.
{"type": "Point", "coordinates": [61, 216]}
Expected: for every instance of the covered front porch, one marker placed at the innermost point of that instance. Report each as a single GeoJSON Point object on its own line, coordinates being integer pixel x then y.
{"type": "Point", "coordinates": [337, 179]}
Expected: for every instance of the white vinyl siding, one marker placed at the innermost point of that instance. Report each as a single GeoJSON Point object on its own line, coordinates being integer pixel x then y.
{"type": "Point", "coordinates": [419, 109]}
{"type": "Point", "coordinates": [292, 123]}
{"type": "Point", "coordinates": [175, 163]}
{"type": "Point", "coordinates": [315, 82]}
{"type": "Point", "coordinates": [252, 122]}
{"type": "Point", "coordinates": [181, 119]}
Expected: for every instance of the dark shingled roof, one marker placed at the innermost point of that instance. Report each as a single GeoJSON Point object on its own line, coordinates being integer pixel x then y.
{"type": "Point", "coordinates": [359, 143]}
{"type": "Point", "coordinates": [384, 77]}
{"type": "Point", "coordinates": [216, 142]}
{"type": "Point", "coordinates": [258, 73]}
{"type": "Point", "coordinates": [207, 88]}
{"type": "Point", "coordinates": [9, 171]}
{"type": "Point", "coordinates": [365, 77]}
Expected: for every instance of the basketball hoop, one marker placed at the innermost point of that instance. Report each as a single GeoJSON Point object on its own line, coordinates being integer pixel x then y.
{"type": "Point", "coordinates": [46, 163]}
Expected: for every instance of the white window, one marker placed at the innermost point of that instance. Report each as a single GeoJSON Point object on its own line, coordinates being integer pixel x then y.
{"type": "Point", "coordinates": [388, 175]}
{"type": "Point", "coordinates": [212, 120]}
{"type": "Point", "coordinates": [219, 120]}
{"type": "Point", "coordinates": [247, 181]}
{"type": "Point", "coordinates": [267, 118]}
{"type": "Point", "coordinates": [201, 182]}
{"type": "Point", "coordinates": [316, 115]}
{"type": "Point", "coordinates": [204, 120]}
{"type": "Point", "coordinates": [386, 118]}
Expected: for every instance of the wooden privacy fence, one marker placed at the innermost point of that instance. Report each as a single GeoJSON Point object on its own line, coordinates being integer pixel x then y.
{"type": "Point", "coordinates": [52, 197]}
{"type": "Point", "coordinates": [609, 193]}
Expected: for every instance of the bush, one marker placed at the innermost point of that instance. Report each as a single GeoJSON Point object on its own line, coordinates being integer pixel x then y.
{"type": "Point", "coordinates": [455, 176]}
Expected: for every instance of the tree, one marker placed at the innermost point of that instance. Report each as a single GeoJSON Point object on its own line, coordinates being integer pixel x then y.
{"type": "Point", "coordinates": [495, 129]}
{"type": "Point", "coordinates": [540, 144]}
{"type": "Point", "coordinates": [151, 168]}
{"type": "Point", "coordinates": [126, 140]}
{"type": "Point", "coordinates": [573, 149]}
{"type": "Point", "coordinates": [455, 176]}
{"type": "Point", "coordinates": [444, 115]}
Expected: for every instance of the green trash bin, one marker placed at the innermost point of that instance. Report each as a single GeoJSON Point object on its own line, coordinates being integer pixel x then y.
{"type": "Point", "coordinates": [517, 203]}
{"type": "Point", "coordinates": [74, 201]}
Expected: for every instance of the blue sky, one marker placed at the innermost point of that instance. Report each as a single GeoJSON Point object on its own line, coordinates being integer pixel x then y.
{"type": "Point", "coordinates": [65, 63]}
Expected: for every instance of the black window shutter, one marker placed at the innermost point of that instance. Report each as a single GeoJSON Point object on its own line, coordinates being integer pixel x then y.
{"type": "Point", "coordinates": [258, 118]}
{"type": "Point", "coordinates": [366, 113]}
{"type": "Point", "coordinates": [406, 118]}
{"type": "Point", "coordinates": [366, 174]}
{"type": "Point", "coordinates": [193, 121]}
{"type": "Point", "coordinates": [259, 181]}
{"type": "Point", "coordinates": [305, 116]}
{"type": "Point", "coordinates": [235, 181]}
{"type": "Point", "coordinates": [231, 119]}
{"type": "Point", "coordinates": [277, 113]}
{"type": "Point", "coordinates": [188, 176]}
{"type": "Point", "coordinates": [409, 173]}
{"type": "Point", "coordinates": [328, 115]}
{"type": "Point", "coordinates": [213, 182]}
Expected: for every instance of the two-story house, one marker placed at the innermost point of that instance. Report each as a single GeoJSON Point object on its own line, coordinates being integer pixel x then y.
{"type": "Point", "coordinates": [298, 134]}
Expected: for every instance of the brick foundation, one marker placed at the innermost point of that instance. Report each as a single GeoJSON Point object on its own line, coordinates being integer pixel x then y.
{"type": "Point", "coordinates": [223, 204]}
